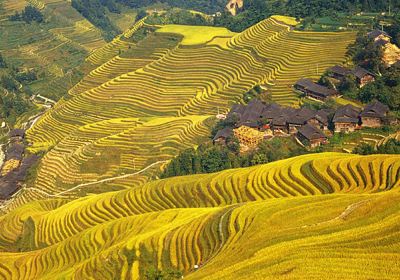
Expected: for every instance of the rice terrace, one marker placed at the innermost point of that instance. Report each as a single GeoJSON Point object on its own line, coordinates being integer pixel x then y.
{"type": "Point", "coordinates": [199, 139]}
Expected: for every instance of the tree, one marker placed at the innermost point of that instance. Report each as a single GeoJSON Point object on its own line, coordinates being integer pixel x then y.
{"type": "Point", "coordinates": [363, 149]}
{"type": "Point", "coordinates": [8, 83]}
{"type": "Point", "coordinates": [3, 63]}
{"type": "Point", "coordinates": [348, 86]}
{"type": "Point", "coordinates": [212, 161]}
{"type": "Point", "coordinates": [259, 159]}
{"type": "Point", "coordinates": [141, 14]}
{"type": "Point", "coordinates": [29, 14]}
{"type": "Point", "coordinates": [156, 274]}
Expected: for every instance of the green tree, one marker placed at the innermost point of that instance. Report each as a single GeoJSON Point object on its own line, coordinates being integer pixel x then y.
{"type": "Point", "coordinates": [3, 63]}
{"type": "Point", "coordinates": [8, 83]}
{"type": "Point", "coordinates": [364, 149]}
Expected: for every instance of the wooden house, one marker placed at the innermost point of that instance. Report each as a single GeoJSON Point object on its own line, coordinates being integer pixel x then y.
{"type": "Point", "coordinates": [313, 90]}
{"type": "Point", "coordinates": [17, 134]}
{"type": "Point", "coordinates": [299, 118]}
{"type": "Point", "coordinates": [363, 76]}
{"type": "Point", "coordinates": [222, 135]}
{"type": "Point", "coordinates": [311, 136]}
{"type": "Point", "coordinates": [346, 119]}
{"type": "Point", "coordinates": [374, 114]}
{"type": "Point", "coordinates": [338, 72]}
{"type": "Point", "coordinates": [379, 36]}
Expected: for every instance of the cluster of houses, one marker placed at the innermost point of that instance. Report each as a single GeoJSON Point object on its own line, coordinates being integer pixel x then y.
{"type": "Point", "coordinates": [362, 76]}
{"type": "Point", "coordinates": [311, 127]}
{"type": "Point", "coordinates": [322, 93]}
{"type": "Point", "coordinates": [16, 166]}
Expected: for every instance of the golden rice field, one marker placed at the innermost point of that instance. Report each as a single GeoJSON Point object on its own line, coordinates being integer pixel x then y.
{"type": "Point", "coordinates": [160, 80]}
{"type": "Point", "coordinates": [318, 216]}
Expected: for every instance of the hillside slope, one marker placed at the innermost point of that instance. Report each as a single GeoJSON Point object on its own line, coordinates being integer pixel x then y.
{"type": "Point", "coordinates": [55, 49]}
{"type": "Point", "coordinates": [160, 78]}
{"type": "Point", "coordinates": [264, 222]}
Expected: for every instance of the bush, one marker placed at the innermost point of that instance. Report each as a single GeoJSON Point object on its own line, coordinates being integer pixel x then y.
{"type": "Point", "coordinates": [3, 63]}
{"type": "Point", "coordinates": [29, 14]}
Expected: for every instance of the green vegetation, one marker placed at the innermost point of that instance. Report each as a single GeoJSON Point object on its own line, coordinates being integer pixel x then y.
{"type": "Point", "coordinates": [156, 274]}
{"type": "Point", "coordinates": [317, 14]}
{"type": "Point", "coordinates": [148, 100]}
{"type": "Point", "coordinates": [209, 158]}
{"type": "Point", "coordinates": [392, 146]}
{"type": "Point", "coordinates": [94, 11]}
{"type": "Point", "coordinates": [367, 54]}
{"type": "Point", "coordinates": [29, 14]}
{"type": "Point", "coordinates": [178, 16]}
{"type": "Point", "coordinates": [14, 93]}
{"type": "Point", "coordinates": [385, 89]}
{"type": "Point", "coordinates": [3, 63]}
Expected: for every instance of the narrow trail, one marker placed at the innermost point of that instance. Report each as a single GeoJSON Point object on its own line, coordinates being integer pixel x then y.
{"type": "Point", "coordinates": [99, 181]}
{"type": "Point", "coordinates": [59, 195]}
{"type": "Point", "coordinates": [349, 209]}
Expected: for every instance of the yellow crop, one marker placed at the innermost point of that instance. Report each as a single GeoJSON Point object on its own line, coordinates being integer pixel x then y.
{"type": "Point", "coordinates": [263, 222]}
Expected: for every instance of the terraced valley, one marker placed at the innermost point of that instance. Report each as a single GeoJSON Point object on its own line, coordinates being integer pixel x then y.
{"type": "Point", "coordinates": [265, 221]}
{"type": "Point", "coordinates": [96, 207]}
{"type": "Point", "coordinates": [155, 98]}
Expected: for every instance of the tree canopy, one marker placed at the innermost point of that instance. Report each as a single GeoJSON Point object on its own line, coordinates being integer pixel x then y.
{"type": "Point", "coordinates": [29, 14]}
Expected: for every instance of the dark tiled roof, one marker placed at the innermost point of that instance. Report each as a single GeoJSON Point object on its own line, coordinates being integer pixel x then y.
{"type": "Point", "coordinates": [301, 116]}
{"type": "Point", "coordinates": [17, 133]}
{"type": "Point", "coordinates": [321, 90]}
{"type": "Point", "coordinates": [238, 109]}
{"type": "Point", "coordinates": [252, 111]}
{"type": "Point", "coordinates": [360, 72]}
{"type": "Point", "coordinates": [340, 70]}
{"type": "Point", "coordinates": [375, 109]}
{"type": "Point", "coordinates": [223, 133]}
{"type": "Point", "coordinates": [323, 116]}
{"type": "Point", "coordinates": [279, 121]}
{"type": "Point", "coordinates": [376, 33]}
{"type": "Point", "coordinates": [311, 133]}
{"type": "Point", "coordinates": [11, 182]}
{"type": "Point", "coordinates": [381, 42]}
{"type": "Point", "coordinates": [15, 151]}
{"type": "Point", "coordinates": [304, 82]}
{"type": "Point", "coordinates": [347, 114]}
{"type": "Point", "coordinates": [271, 111]}
{"type": "Point", "coordinates": [312, 87]}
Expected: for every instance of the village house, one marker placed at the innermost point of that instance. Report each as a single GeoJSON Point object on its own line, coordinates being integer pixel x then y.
{"type": "Point", "coordinates": [374, 114]}
{"type": "Point", "coordinates": [346, 119]}
{"type": "Point", "coordinates": [313, 90]}
{"type": "Point", "coordinates": [363, 76]}
{"type": "Point", "coordinates": [257, 121]}
{"type": "Point", "coordinates": [311, 136]}
{"type": "Point", "coordinates": [17, 134]}
{"type": "Point", "coordinates": [338, 72]}
{"type": "Point", "coordinates": [222, 135]}
{"type": "Point", "coordinates": [379, 36]}
{"type": "Point", "coordinates": [299, 118]}
{"type": "Point", "coordinates": [251, 116]}
{"type": "Point", "coordinates": [280, 119]}
{"type": "Point", "coordinates": [320, 119]}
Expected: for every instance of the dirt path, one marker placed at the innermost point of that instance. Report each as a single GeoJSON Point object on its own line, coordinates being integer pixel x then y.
{"type": "Point", "coordinates": [349, 209]}
{"type": "Point", "coordinates": [59, 195]}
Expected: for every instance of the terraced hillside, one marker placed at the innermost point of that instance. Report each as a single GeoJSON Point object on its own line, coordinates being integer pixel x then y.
{"type": "Point", "coordinates": [321, 216]}
{"type": "Point", "coordinates": [158, 79]}
{"type": "Point", "coordinates": [55, 49]}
